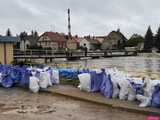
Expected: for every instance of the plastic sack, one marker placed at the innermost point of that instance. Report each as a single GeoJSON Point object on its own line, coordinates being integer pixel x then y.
{"type": "Point", "coordinates": [54, 76]}
{"type": "Point", "coordinates": [156, 96]}
{"type": "Point", "coordinates": [96, 80]}
{"type": "Point", "coordinates": [44, 80]}
{"type": "Point", "coordinates": [106, 86]}
{"type": "Point", "coordinates": [0, 77]}
{"type": "Point", "coordinates": [7, 81]}
{"type": "Point", "coordinates": [85, 82]}
{"type": "Point", "coordinates": [33, 84]}
{"type": "Point", "coordinates": [25, 77]}
{"type": "Point", "coordinates": [145, 101]}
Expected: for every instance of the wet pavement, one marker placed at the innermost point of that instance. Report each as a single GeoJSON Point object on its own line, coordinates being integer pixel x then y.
{"type": "Point", "coordinates": [20, 104]}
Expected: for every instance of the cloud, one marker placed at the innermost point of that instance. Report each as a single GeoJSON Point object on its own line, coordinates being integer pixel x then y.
{"type": "Point", "coordinates": [95, 17]}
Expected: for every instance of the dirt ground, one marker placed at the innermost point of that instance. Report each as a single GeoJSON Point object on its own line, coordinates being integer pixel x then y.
{"type": "Point", "coordinates": [20, 104]}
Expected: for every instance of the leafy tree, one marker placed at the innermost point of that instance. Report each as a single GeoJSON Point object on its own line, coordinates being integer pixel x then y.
{"type": "Point", "coordinates": [148, 42]}
{"type": "Point", "coordinates": [8, 33]}
{"type": "Point", "coordinates": [157, 39]}
{"type": "Point", "coordinates": [134, 40]}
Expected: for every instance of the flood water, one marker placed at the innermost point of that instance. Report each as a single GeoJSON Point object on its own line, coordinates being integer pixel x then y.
{"type": "Point", "coordinates": [135, 65]}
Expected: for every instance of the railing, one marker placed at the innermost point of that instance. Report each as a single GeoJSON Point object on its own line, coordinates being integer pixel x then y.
{"type": "Point", "coordinates": [62, 54]}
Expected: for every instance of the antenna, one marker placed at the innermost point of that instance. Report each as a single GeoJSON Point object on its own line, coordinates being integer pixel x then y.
{"type": "Point", "coordinates": [69, 24]}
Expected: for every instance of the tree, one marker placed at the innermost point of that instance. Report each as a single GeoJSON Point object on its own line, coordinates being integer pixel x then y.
{"type": "Point", "coordinates": [148, 42]}
{"type": "Point", "coordinates": [8, 33]}
{"type": "Point", "coordinates": [157, 39]}
{"type": "Point", "coordinates": [36, 34]}
{"type": "Point", "coordinates": [134, 40]}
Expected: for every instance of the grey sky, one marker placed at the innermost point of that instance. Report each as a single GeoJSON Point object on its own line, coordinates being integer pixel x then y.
{"type": "Point", "coordinates": [94, 17]}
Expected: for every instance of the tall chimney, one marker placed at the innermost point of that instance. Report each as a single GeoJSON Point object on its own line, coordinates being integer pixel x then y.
{"type": "Point", "coordinates": [69, 24]}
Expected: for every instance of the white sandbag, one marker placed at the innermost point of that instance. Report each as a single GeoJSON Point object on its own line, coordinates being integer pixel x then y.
{"type": "Point", "coordinates": [33, 84]}
{"type": "Point", "coordinates": [48, 78]}
{"type": "Point", "coordinates": [145, 101]}
{"type": "Point", "coordinates": [44, 80]}
{"type": "Point", "coordinates": [116, 90]}
{"type": "Point", "coordinates": [131, 94]}
{"type": "Point", "coordinates": [55, 77]}
{"type": "Point", "coordinates": [85, 82]}
{"type": "Point", "coordinates": [114, 82]}
{"type": "Point", "coordinates": [0, 77]}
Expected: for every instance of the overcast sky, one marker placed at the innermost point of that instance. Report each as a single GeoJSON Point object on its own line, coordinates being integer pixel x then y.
{"type": "Point", "coordinates": [94, 17]}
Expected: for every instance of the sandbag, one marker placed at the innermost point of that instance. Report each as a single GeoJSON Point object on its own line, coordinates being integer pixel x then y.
{"type": "Point", "coordinates": [85, 82]}
{"type": "Point", "coordinates": [0, 77]}
{"type": "Point", "coordinates": [7, 81]}
{"type": "Point", "coordinates": [34, 84]}
{"type": "Point", "coordinates": [54, 76]}
{"type": "Point", "coordinates": [156, 96]}
{"type": "Point", "coordinates": [96, 80]}
{"type": "Point", "coordinates": [106, 87]}
{"type": "Point", "coordinates": [145, 101]}
{"type": "Point", "coordinates": [44, 80]}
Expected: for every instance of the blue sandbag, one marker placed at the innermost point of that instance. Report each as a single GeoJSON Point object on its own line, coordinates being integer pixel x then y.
{"type": "Point", "coordinates": [107, 86]}
{"type": "Point", "coordinates": [68, 73]}
{"type": "Point", "coordinates": [155, 102]}
{"type": "Point", "coordinates": [96, 81]}
{"type": "Point", "coordinates": [25, 74]}
{"type": "Point", "coordinates": [7, 81]}
{"type": "Point", "coordinates": [15, 74]}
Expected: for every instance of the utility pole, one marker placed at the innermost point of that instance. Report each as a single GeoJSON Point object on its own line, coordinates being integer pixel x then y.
{"type": "Point", "coordinates": [69, 24]}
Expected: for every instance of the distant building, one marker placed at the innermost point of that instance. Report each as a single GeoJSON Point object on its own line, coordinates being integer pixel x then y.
{"type": "Point", "coordinates": [29, 41]}
{"type": "Point", "coordinates": [113, 40]}
{"type": "Point", "coordinates": [83, 42]}
{"type": "Point", "coordinates": [53, 40]}
{"type": "Point", "coordinates": [6, 49]}
{"type": "Point", "coordinates": [92, 43]}
{"type": "Point", "coordinates": [73, 43]}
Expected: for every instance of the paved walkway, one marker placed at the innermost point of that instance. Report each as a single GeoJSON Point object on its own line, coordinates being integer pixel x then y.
{"type": "Point", "coordinates": [70, 91]}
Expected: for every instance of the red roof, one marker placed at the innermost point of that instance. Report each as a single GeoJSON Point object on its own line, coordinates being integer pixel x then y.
{"type": "Point", "coordinates": [55, 36]}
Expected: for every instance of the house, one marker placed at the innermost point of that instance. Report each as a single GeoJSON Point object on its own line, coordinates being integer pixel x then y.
{"type": "Point", "coordinates": [29, 41]}
{"type": "Point", "coordinates": [6, 49]}
{"type": "Point", "coordinates": [94, 44]}
{"type": "Point", "coordinates": [73, 43]}
{"type": "Point", "coordinates": [52, 40]}
{"type": "Point", "coordinates": [114, 40]}
{"type": "Point", "coordinates": [83, 42]}
{"type": "Point", "coordinates": [91, 43]}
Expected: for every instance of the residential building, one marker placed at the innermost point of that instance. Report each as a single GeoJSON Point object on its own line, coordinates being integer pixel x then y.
{"type": "Point", "coordinates": [93, 43]}
{"type": "Point", "coordinates": [73, 43]}
{"type": "Point", "coordinates": [29, 41]}
{"type": "Point", "coordinates": [113, 40]}
{"type": "Point", "coordinates": [53, 40]}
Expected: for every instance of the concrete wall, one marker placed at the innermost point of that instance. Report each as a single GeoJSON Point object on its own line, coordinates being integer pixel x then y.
{"type": "Point", "coordinates": [9, 53]}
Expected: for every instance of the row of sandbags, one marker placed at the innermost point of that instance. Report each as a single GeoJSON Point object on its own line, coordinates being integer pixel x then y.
{"type": "Point", "coordinates": [117, 84]}
{"type": "Point", "coordinates": [42, 78]}
{"type": "Point", "coordinates": [32, 77]}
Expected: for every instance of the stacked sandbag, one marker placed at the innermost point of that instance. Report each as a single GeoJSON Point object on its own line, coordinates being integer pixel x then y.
{"type": "Point", "coordinates": [34, 82]}
{"type": "Point", "coordinates": [85, 82]}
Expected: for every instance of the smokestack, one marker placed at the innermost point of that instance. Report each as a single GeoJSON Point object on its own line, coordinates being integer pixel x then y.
{"type": "Point", "coordinates": [69, 24]}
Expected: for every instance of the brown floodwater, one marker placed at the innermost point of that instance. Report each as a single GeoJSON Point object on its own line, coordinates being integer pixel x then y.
{"type": "Point", "coordinates": [135, 65]}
